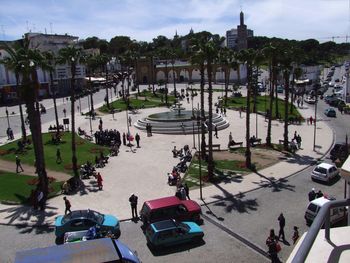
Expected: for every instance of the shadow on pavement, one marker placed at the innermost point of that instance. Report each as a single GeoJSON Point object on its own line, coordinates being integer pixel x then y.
{"type": "Point", "coordinates": [22, 215]}
{"type": "Point", "coordinates": [276, 185]}
{"type": "Point", "coordinates": [175, 249]}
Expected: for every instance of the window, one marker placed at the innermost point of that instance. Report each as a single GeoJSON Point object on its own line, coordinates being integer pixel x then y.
{"type": "Point", "coordinates": [320, 170]}
{"type": "Point", "coordinates": [77, 223]}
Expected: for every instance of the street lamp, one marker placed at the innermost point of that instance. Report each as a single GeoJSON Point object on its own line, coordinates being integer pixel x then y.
{"type": "Point", "coordinates": [90, 109]}
{"type": "Point", "coordinates": [193, 118]}
{"type": "Point", "coordinates": [199, 123]}
{"type": "Point", "coordinates": [8, 120]}
{"type": "Point", "coordinates": [316, 102]}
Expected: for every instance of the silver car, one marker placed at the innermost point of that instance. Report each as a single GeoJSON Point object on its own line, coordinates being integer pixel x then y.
{"type": "Point", "coordinates": [324, 172]}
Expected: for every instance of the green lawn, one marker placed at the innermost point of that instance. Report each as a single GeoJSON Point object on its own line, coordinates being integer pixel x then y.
{"type": "Point", "coordinates": [262, 104]}
{"type": "Point", "coordinates": [146, 99]}
{"type": "Point", "coordinates": [85, 151]}
{"type": "Point", "coordinates": [17, 187]}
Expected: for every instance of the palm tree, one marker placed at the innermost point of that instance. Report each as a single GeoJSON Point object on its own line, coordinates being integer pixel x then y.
{"type": "Point", "coordinates": [13, 63]}
{"type": "Point", "coordinates": [50, 59]}
{"type": "Point", "coordinates": [72, 56]}
{"type": "Point", "coordinates": [103, 60]}
{"type": "Point", "coordinates": [164, 54]}
{"type": "Point", "coordinates": [271, 55]}
{"type": "Point", "coordinates": [248, 56]}
{"type": "Point", "coordinates": [225, 61]}
{"type": "Point", "coordinates": [92, 64]}
{"type": "Point", "coordinates": [30, 60]}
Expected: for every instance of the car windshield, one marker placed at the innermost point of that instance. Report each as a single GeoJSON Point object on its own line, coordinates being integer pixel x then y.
{"type": "Point", "coordinates": [313, 208]}
{"type": "Point", "coordinates": [321, 170]}
{"type": "Point", "coordinates": [89, 214]}
{"type": "Point", "coordinates": [184, 226]}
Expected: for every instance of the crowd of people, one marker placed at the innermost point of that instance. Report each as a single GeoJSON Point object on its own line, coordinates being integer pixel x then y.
{"type": "Point", "coordinates": [107, 137]}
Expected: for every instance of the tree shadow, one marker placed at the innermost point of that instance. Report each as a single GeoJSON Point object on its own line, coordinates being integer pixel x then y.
{"type": "Point", "coordinates": [175, 249]}
{"type": "Point", "coordinates": [276, 185]}
{"type": "Point", "coordinates": [26, 216]}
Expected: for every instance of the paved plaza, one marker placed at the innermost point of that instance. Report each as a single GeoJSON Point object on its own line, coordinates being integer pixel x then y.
{"type": "Point", "coordinates": [143, 171]}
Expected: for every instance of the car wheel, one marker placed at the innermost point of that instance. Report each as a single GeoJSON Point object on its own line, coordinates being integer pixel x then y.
{"type": "Point", "coordinates": [59, 240]}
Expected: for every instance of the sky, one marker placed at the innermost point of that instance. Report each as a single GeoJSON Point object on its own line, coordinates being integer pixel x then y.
{"type": "Point", "coordinates": [144, 20]}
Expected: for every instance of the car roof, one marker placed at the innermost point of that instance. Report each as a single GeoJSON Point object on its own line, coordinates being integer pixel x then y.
{"type": "Point", "coordinates": [79, 214]}
{"type": "Point", "coordinates": [164, 225]}
{"type": "Point", "coordinates": [325, 165]}
{"type": "Point", "coordinates": [321, 201]}
{"type": "Point", "coordinates": [163, 202]}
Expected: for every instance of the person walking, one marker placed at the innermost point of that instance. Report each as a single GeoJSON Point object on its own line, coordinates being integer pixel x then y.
{"type": "Point", "coordinates": [295, 234]}
{"type": "Point", "coordinates": [99, 181]}
{"type": "Point", "coordinates": [18, 164]}
{"type": "Point", "coordinates": [240, 112]}
{"type": "Point", "coordinates": [67, 205]}
{"type": "Point", "coordinates": [124, 138]}
{"type": "Point", "coordinates": [137, 139]}
{"type": "Point", "coordinates": [64, 112]}
{"type": "Point", "coordinates": [58, 156]}
{"type": "Point", "coordinates": [133, 203]}
{"type": "Point", "coordinates": [282, 223]}
{"type": "Point", "coordinates": [273, 247]}
{"type": "Point", "coordinates": [130, 120]}
{"type": "Point", "coordinates": [187, 190]}
{"type": "Point", "coordinates": [216, 132]}
{"type": "Point", "coordinates": [312, 194]}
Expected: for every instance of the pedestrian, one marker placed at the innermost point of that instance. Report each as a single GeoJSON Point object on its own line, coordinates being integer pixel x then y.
{"type": "Point", "coordinates": [295, 234]}
{"type": "Point", "coordinates": [319, 194]}
{"type": "Point", "coordinates": [64, 112]}
{"type": "Point", "coordinates": [312, 194]}
{"type": "Point", "coordinates": [273, 247]}
{"type": "Point", "coordinates": [311, 120]}
{"type": "Point", "coordinates": [224, 111]}
{"type": "Point", "coordinates": [67, 205]}
{"type": "Point", "coordinates": [299, 141]}
{"type": "Point", "coordinates": [99, 181]}
{"type": "Point", "coordinates": [240, 112]}
{"type": "Point", "coordinates": [129, 119]}
{"type": "Point", "coordinates": [11, 134]}
{"type": "Point", "coordinates": [40, 200]}
{"type": "Point", "coordinates": [133, 203]}
{"type": "Point", "coordinates": [8, 133]}
{"type": "Point", "coordinates": [18, 164]}
{"type": "Point", "coordinates": [150, 129]}
{"type": "Point", "coordinates": [230, 139]}
{"type": "Point", "coordinates": [137, 139]}
{"type": "Point", "coordinates": [124, 138]}
{"type": "Point", "coordinates": [58, 156]}
{"type": "Point", "coordinates": [282, 223]}
{"type": "Point", "coordinates": [216, 131]}
{"type": "Point", "coordinates": [295, 135]}
{"type": "Point", "coordinates": [187, 190]}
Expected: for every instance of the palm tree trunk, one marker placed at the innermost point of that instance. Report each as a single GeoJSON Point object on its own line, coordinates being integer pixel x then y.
{"type": "Point", "coordinates": [91, 96]}
{"type": "Point", "coordinates": [286, 118]}
{"type": "Point", "coordinates": [276, 98]}
{"type": "Point", "coordinates": [203, 151]}
{"type": "Point", "coordinates": [74, 149]}
{"type": "Point", "coordinates": [106, 86]}
{"type": "Point", "coordinates": [248, 161]}
{"type": "Point", "coordinates": [210, 121]}
{"type": "Point", "coordinates": [174, 80]}
{"type": "Point", "coordinates": [54, 102]}
{"type": "Point", "coordinates": [227, 79]}
{"type": "Point", "coordinates": [23, 127]}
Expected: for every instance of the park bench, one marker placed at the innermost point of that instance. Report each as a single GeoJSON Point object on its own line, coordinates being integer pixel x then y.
{"type": "Point", "coordinates": [255, 142]}
{"type": "Point", "coordinates": [88, 137]}
{"type": "Point", "coordinates": [233, 145]}
{"type": "Point", "coordinates": [215, 147]}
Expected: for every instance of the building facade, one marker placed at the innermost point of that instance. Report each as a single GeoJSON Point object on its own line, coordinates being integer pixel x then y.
{"type": "Point", "coordinates": [237, 38]}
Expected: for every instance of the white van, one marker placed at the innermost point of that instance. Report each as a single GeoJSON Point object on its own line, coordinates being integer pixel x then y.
{"type": "Point", "coordinates": [336, 214]}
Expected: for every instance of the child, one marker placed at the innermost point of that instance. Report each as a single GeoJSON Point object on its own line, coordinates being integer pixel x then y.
{"type": "Point", "coordinates": [295, 234]}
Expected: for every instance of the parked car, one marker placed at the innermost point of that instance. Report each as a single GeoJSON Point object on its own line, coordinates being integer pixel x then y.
{"type": "Point", "coordinates": [310, 100]}
{"type": "Point", "coordinates": [330, 112]}
{"type": "Point", "coordinates": [339, 151]}
{"type": "Point", "coordinates": [328, 98]}
{"type": "Point", "coordinates": [84, 219]}
{"type": "Point", "coordinates": [324, 172]}
{"type": "Point", "coordinates": [171, 232]}
{"type": "Point", "coordinates": [280, 89]}
{"type": "Point", "coordinates": [97, 250]}
{"type": "Point", "coordinates": [336, 213]}
{"type": "Point", "coordinates": [169, 208]}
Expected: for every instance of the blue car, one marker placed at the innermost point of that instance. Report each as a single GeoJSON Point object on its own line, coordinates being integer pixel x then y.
{"type": "Point", "coordinates": [330, 112]}
{"type": "Point", "coordinates": [84, 219]}
{"type": "Point", "coordinates": [171, 232]}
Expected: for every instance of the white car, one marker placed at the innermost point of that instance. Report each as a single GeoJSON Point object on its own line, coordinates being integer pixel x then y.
{"type": "Point", "coordinates": [310, 100]}
{"type": "Point", "coordinates": [324, 172]}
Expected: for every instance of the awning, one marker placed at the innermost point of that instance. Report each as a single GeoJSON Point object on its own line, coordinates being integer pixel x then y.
{"type": "Point", "coordinates": [345, 169]}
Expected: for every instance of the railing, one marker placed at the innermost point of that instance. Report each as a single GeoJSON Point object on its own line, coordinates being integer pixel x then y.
{"type": "Point", "coordinates": [323, 216]}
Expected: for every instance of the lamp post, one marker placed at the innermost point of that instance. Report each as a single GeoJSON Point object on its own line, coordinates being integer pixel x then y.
{"type": "Point", "coordinates": [88, 99]}
{"type": "Point", "coordinates": [7, 116]}
{"type": "Point", "coordinates": [316, 101]}
{"type": "Point", "coordinates": [199, 123]}
{"type": "Point", "coordinates": [193, 118]}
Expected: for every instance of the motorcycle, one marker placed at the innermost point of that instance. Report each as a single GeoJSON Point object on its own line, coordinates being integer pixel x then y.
{"type": "Point", "coordinates": [181, 167]}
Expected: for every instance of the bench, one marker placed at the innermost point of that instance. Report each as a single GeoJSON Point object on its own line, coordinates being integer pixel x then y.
{"type": "Point", "coordinates": [255, 142]}
{"type": "Point", "coordinates": [281, 141]}
{"type": "Point", "coordinates": [233, 144]}
{"type": "Point", "coordinates": [87, 137]}
{"type": "Point", "coordinates": [215, 146]}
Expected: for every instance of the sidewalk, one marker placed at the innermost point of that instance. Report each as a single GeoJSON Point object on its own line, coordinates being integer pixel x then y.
{"type": "Point", "coordinates": [143, 171]}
